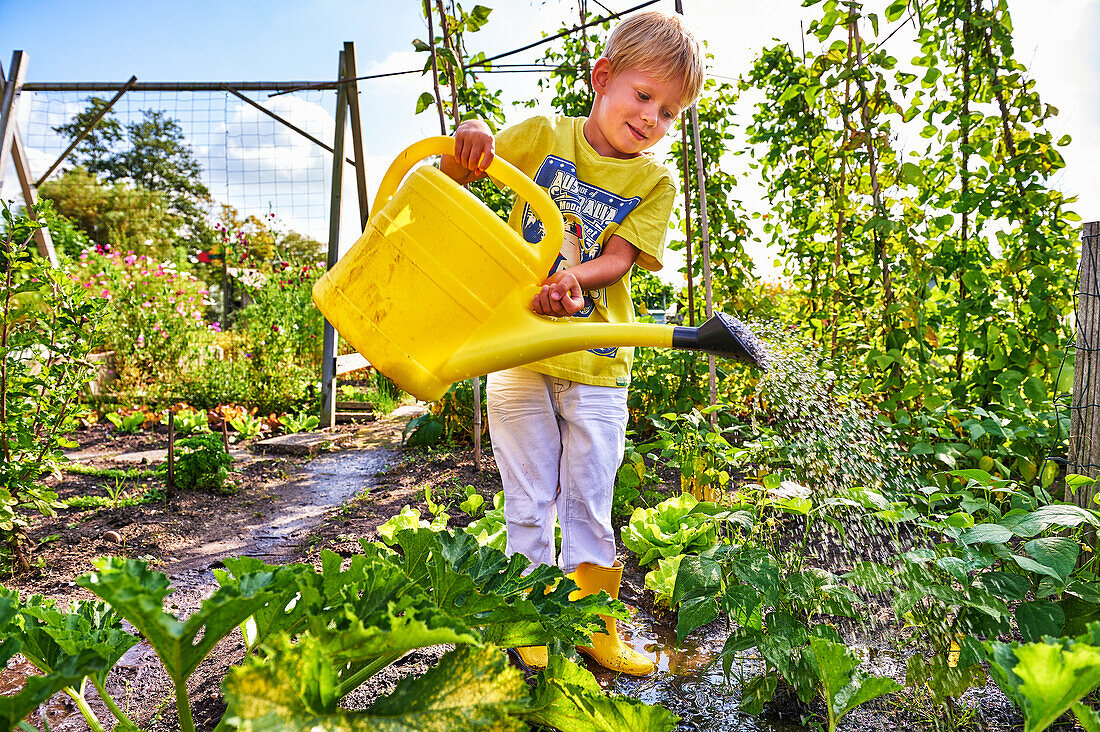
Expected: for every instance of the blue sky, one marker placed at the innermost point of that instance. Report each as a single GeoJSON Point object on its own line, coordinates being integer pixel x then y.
{"type": "Point", "coordinates": [242, 40]}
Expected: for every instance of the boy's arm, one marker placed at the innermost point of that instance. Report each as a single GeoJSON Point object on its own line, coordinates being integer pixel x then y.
{"type": "Point", "coordinates": [474, 150]}
{"type": "Point", "coordinates": [562, 293]}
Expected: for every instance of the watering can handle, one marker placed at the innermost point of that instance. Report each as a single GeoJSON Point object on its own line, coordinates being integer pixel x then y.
{"type": "Point", "coordinates": [500, 169]}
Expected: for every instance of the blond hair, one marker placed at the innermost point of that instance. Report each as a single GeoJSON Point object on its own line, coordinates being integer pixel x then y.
{"type": "Point", "coordinates": [661, 45]}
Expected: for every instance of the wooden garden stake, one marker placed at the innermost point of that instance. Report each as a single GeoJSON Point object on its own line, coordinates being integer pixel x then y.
{"type": "Point", "coordinates": [687, 215]}
{"type": "Point", "coordinates": [452, 46]}
{"type": "Point", "coordinates": [171, 454]}
{"type": "Point", "coordinates": [1084, 442]}
{"type": "Point", "coordinates": [435, 70]}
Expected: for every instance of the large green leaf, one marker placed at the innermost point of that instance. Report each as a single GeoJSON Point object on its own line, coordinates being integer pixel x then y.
{"type": "Point", "coordinates": [568, 698]}
{"type": "Point", "coordinates": [757, 692]}
{"type": "Point", "coordinates": [288, 609]}
{"type": "Point", "coordinates": [294, 689]}
{"type": "Point", "coordinates": [137, 593]}
{"type": "Point", "coordinates": [987, 533]}
{"type": "Point", "coordinates": [672, 527]}
{"type": "Point", "coordinates": [1057, 552]}
{"type": "Point", "coordinates": [698, 584]}
{"type": "Point", "coordinates": [491, 592]}
{"type": "Point", "coordinates": [1044, 679]}
{"type": "Point", "coordinates": [1038, 618]}
{"type": "Point", "coordinates": [69, 671]}
{"type": "Point", "coordinates": [1066, 515]}
{"type": "Point", "coordinates": [1088, 718]}
{"type": "Point", "coordinates": [844, 686]}
{"type": "Point", "coordinates": [1005, 585]}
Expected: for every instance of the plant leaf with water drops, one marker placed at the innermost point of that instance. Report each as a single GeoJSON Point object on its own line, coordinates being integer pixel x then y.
{"type": "Point", "coordinates": [1005, 585]}
{"type": "Point", "coordinates": [844, 686]}
{"type": "Point", "coordinates": [872, 576]}
{"type": "Point", "coordinates": [1057, 552]}
{"type": "Point", "coordinates": [987, 533]}
{"type": "Point", "coordinates": [1024, 524]}
{"type": "Point", "coordinates": [1038, 618]}
{"type": "Point", "coordinates": [758, 692]}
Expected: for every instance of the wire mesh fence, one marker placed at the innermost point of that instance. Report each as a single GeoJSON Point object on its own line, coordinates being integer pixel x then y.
{"type": "Point", "coordinates": [247, 159]}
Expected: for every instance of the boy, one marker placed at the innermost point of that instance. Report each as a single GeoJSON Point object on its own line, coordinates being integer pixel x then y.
{"type": "Point", "coordinates": [558, 426]}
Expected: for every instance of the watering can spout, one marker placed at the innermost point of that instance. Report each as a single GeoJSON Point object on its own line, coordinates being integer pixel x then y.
{"type": "Point", "coordinates": [513, 335]}
{"type": "Point", "coordinates": [724, 335]}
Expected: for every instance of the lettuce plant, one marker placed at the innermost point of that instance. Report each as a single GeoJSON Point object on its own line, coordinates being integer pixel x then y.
{"type": "Point", "coordinates": [679, 525]}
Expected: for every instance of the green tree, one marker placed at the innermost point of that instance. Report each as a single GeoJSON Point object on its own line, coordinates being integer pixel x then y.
{"type": "Point", "coordinates": [100, 145]}
{"type": "Point", "coordinates": [151, 153]}
{"type": "Point", "coordinates": [118, 215]}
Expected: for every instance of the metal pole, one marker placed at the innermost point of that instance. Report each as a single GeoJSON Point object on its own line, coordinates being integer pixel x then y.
{"type": "Point", "coordinates": [328, 344]}
{"type": "Point", "coordinates": [352, 91]}
{"type": "Point", "coordinates": [85, 132]}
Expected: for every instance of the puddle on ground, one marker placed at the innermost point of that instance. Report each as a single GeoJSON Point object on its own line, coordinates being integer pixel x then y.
{"type": "Point", "coordinates": [688, 681]}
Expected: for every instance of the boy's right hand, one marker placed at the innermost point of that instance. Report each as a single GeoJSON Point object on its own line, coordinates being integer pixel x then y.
{"type": "Point", "coordinates": [474, 150]}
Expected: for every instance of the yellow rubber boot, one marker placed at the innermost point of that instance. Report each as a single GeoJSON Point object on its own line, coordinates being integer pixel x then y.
{"type": "Point", "coordinates": [608, 649]}
{"type": "Point", "coordinates": [534, 657]}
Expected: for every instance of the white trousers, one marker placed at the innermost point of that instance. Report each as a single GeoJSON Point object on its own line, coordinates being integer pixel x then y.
{"type": "Point", "coordinates": [558, 445]}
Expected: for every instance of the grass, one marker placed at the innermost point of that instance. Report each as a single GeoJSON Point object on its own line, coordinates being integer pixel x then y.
{"type": "Point", "coordinates": [112, 473]}
{"type": "Point", "coordinates": [85, 503]}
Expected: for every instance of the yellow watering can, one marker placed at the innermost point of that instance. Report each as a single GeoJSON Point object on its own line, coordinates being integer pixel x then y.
{"type": "Point", "coordinates": [438, 289]}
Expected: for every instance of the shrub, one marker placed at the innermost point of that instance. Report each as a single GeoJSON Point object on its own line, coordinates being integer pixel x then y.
{"type": "Point", "coordinates": [281, 323]}
{"type": "Point", "coordinates": [156, 315]}
{"type": "Point", "coordinates": [281, 390]}
{"type": "Point", "coordinates": [202, 463]}
{"type": "Point", "coordinates": [48, 326]}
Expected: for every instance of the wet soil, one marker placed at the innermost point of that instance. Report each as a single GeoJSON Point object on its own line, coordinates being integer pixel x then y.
{"type": "Point", "coordinates": [285, 509]}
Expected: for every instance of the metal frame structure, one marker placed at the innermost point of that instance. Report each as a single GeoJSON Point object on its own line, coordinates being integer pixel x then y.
{"type": "Point", "coordinates": [347, 102]}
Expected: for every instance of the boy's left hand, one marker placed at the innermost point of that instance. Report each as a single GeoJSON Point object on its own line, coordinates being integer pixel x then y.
{"type": "Point", "coordinates": [561, 295]}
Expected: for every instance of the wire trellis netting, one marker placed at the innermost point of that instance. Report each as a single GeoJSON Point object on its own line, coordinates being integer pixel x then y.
{"type": "Point", "coordinates": [248, 159]}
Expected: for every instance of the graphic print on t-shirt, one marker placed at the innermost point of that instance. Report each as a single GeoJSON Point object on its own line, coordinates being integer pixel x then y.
{"type": "Point", "coordinates": [588, 210]}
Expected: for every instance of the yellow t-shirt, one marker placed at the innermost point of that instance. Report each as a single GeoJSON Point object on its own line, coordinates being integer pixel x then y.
{"type": "Point", "coordinates": [598, 197]}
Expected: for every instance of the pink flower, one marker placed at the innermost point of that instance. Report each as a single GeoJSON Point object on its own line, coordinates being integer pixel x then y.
{"type": "Point", "coordinates": [140, 340]}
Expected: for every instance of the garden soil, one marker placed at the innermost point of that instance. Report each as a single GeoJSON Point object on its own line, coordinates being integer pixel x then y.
{"type": "Point", "coordinates": [290, 509]}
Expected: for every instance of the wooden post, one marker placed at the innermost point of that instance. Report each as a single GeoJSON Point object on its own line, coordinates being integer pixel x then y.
{"type": "Point", "coordinates": [7, 106]}
{"type": "Point", "coordinates": [328, 344]}
{"type": "Point", "coordinates": [170, 489]}
{"type": "Point", "coordinates": [12, 143]}
{"type": "Point", "coordinates": [1084, 438]}
{"type": "Point", "coordinates": [687, 215]}
{"type": "Point", "coordinates": [351, 90]}
{"type": "Point", "coordinates": [704, 227]}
